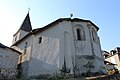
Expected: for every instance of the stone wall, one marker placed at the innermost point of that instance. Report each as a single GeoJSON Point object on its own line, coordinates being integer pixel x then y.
{"type": "Point", "coordinates": [8, 62]}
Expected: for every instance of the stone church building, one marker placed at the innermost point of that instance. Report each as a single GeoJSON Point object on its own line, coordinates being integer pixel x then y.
{"type": "Point", "coordinates": [65, 45]}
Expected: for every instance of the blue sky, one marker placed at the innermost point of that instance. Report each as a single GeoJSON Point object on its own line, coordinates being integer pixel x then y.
{"type": "Point", "coordinates": [104, 13]}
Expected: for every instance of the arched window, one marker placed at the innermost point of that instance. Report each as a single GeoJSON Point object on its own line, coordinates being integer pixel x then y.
{"type": "Point", "coordinates": [80, 33]}
{"type": "Point", "coordinates": [94, 35]}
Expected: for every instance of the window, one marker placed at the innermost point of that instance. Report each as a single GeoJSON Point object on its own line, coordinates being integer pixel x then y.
{"type": "Point", "coordinates": [25, 49]}
{"type": "Point", "coordinates": [80, 34]}
{"type": "Point", "coordinates": [94, 35]}
{"type": "Point", "coordinates": [40, 40]}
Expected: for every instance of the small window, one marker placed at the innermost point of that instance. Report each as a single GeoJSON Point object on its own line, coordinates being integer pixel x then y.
{"type": "Point", "coordinates": [26, 43]}
{"type": "Point", "coordinates": [80, 34]}
{"type": "Point", "coordinates": [40, 40]}
{"type": "Point", "coordinates": [94, 35]}
{"type": "Point", "coordinates": [25, 49]}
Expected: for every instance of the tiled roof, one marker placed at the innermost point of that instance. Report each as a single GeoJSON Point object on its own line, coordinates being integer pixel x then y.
{"type": "Point", "coordinates": [2, 46]}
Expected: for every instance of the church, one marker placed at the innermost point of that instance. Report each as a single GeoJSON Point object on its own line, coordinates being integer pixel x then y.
{"type": "Point", "coordinates": [69, 45]}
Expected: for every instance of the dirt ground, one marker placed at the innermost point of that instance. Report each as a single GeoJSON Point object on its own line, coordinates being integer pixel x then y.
{"type": "Point", "coordinates": [103, 77]}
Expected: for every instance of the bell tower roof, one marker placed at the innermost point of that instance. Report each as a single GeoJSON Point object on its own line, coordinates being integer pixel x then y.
{"type": "Point", "coordinates": [26, 25]}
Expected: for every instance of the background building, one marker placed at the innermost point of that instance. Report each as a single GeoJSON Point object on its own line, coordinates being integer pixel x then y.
{"type": "Point", "coordinates": [113, 57]}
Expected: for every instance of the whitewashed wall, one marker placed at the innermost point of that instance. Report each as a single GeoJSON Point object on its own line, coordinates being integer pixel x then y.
{"type": "Point", "coordinates": [88, 52]}
{"type": "Point", "coordinates": [45, 55]}
{"type": "Point", "coordinates": [16, 37]}
{"type": "Point", "coordinates": [63, 37]}
{"type": "Point", "coordinates": [82, 47]}
{"type": "Point", "coordinates": [19, 35]}
{"type": "Point", "coordinates": [67, 45]}
{"type": "Point", "coordinates": [25, 55]}
{"type": "Point", "coordinates": [59, 43]}
{"type": "Point", "coordinates": [49, 55]}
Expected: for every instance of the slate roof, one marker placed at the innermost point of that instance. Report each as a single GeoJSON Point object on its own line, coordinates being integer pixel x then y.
{"type": "Point", "coordinates": [26, 25]}
{"type": "Point", "coordinates": [2, 46]}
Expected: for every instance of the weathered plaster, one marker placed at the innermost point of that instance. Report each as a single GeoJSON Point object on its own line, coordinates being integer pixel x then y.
{"type": "Point", "coordinates": [59, 43]}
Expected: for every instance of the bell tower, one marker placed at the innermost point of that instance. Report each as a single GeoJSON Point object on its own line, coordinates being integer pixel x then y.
{"type": "Point", "coordinates": [24, 29]}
